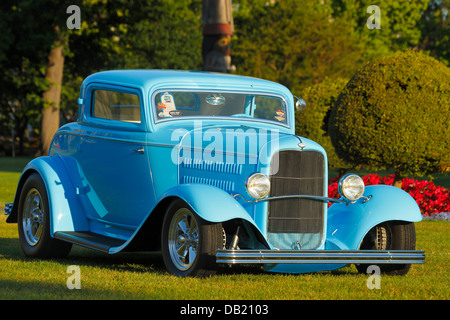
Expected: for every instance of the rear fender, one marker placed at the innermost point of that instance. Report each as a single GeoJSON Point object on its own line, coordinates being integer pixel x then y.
{"type": "Point", "coordinates": [349, 223]}
{"type": "Point", "coordinates": [65, 210]}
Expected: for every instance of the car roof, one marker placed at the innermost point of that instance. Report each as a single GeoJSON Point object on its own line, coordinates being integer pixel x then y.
{"type": "Point", "coordinates": [148, 79]}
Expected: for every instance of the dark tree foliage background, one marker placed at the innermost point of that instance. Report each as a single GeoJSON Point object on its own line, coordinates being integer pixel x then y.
{"type": "Point", "coordinates": [300, 44]}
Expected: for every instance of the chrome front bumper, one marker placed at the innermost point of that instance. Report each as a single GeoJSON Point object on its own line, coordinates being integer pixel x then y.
{"type": "Point", "coordinates": [320, 256]}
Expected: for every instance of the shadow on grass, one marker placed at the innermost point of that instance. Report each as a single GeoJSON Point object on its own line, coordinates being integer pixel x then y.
{"type": "Point", "coordinates": [134, 262]}
{"type": "Point", "coordinates": [137, 262]}
{"type": "Point", "coordinates": [40, 290]}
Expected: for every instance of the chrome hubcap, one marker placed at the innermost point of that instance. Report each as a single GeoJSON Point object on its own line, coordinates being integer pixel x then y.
{"type": "Point", "coordinates": [33, 217]}
{"type": "Point", "coordinates": [183, 239]}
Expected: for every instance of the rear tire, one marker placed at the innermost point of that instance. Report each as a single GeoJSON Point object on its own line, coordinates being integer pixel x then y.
{"type": "Point", "coordinates": [392, 235]}
{"type": "Point", "coordinates": [188, 242]}
{"type": "Point", "coordinates": [34, 222]}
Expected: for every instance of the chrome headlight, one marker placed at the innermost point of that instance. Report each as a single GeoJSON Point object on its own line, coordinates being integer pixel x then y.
{"type": "Point", "coordinates": [351, 187]}
{"type": "Point", "coordinates": [258, 185]}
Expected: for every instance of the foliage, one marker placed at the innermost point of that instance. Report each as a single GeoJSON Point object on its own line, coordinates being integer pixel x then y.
{"type": "Point", "coordinates": [292, 42]}
{"type": "Point", "coordinates": [119, 34]}
{"type": "Point", "coordinates": [395, 113]}
{"type": "Point", "coordinates": [26, 42]}
{"type": "Point", "coordinates": [399, 24]}
{"type": "Point", "coordinates": [142, 34]}
{"type": "Point", "coordinates": [156, 34]}
{"type": "Point", "coordinates": [297, 43]}
{"type": "Point", "coordinates": [312, 122]}
{"type": "Point", "coordinates": [430, 198]}
{"type": "Point", "coordinates": [435, 28]}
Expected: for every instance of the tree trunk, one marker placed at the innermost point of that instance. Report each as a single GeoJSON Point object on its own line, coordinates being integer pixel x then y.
{"type": "Point", "coordinates": [50, 113]}
{"type": "Point", "coordinates": [397, 179]}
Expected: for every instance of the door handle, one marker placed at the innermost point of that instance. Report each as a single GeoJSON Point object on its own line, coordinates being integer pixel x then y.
{"type": "Point", "coordinates": [140, 150]}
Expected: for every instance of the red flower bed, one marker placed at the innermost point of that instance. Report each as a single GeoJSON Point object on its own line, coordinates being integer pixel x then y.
{"type": "Point", "coordinates": [431, 199]}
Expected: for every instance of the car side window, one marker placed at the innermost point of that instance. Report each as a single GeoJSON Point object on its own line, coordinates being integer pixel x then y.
{"type": "Point", "coordinates": [114, 105]}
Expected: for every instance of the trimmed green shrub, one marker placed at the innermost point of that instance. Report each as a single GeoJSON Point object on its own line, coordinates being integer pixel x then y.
{"type": "Point", "coordinates": [395, 112]}
{"type": "Point", "coordinates": [312, 122]}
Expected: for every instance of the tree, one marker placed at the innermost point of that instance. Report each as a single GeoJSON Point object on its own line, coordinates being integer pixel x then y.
{"type": "Point", "coordinates": [124, 34]}
{"type": "Point", "coordinates": [23, 59]}
{"type": "Point", "coordinates": [296, 43]}
{"type": "Point", "coordinates": [435, 29]}
{"type": "Point", "coordinates": [113, 35]}
{"type": "Point", "coordinates": [399, 24]}
{"type": "Point", "coordinates": [395, 113]}
{"type": "Point", "coordinates": [312, 122]}
{"type": "Point", "coordinates": [52, 96]}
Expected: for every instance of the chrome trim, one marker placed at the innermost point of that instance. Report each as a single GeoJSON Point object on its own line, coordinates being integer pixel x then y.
{"type": "Point", "coordinates": [320, 256]}
{"type": "Point", "coordinates": [139, 150]}
{"type": "Point", "coordinates": [341, 183]}
{"type": "Point", "coordinates": [248, 179]}
{"type": "Point", "coordinates": [8, 208]}
{"type": "Point", "coordinates": [33, 217]}
{"type": "Point", "coordinates": [319, 198]}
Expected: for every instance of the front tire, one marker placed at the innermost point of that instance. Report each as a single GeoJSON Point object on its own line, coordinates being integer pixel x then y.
{"type": "Point", "coordinates": [188, 242]}
{"type": "Point", "coordinates": [34, 222]}
{"type": "Point", "coordinates": [392, 235]}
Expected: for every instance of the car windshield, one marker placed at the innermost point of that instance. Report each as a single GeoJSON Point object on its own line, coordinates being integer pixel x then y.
{"type": "Point", "coordinates": [172, 104]}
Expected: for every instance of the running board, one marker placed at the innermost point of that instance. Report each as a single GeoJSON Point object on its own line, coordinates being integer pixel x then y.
{"type": "Point", "coordinates": [89, 240]}
{"type": "Point", "coordinates": [320, 256]}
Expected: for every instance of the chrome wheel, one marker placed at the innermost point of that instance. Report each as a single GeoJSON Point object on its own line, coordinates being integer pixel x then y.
{"type": "Point", "coordinates": [183, 239]}
{"type": "Point", "coordinates": [34, 222]}
{"type": "Point", "coordinates": [33, 217]}
{"type": "Point", "coordinates": [188, 242]}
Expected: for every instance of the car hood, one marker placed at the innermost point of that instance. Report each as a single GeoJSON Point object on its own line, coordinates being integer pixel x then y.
{"type": "Point", "coordinates": [229, 143]}
{"type": "Point", "coordinates": [221, 142]}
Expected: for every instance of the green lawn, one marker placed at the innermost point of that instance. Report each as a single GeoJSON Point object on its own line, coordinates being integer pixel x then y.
{"type": "Point", "coordinates": [142, 275]}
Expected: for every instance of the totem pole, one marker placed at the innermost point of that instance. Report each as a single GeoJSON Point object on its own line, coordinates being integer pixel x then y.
{"type": "Point", "coordinates": [217, 31]}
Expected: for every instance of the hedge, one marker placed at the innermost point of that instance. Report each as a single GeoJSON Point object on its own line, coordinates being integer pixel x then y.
{"type": "Point", "coordinates": [395, 112]}
{"type": "Point", "coordinates": [312, 122]}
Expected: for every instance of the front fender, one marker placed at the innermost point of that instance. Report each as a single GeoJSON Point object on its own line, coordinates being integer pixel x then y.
{"type": "Point", "coordinates": [210, 203]}
{"type": "Point", "coordinates": [349, 223]}
{"type": "Point", "coordinates": [61, 194]}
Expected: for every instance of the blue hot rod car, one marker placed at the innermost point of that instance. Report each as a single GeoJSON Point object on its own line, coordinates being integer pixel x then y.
{"type": "Point", "coordinates": [205, 168]}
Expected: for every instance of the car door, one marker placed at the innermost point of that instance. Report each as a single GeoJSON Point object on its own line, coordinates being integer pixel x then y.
{"type": "Point", "coordinates": [113, 159]}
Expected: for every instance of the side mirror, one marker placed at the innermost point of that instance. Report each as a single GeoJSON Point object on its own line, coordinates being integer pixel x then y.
{"type": "Point", "coordinates": [300, 104]}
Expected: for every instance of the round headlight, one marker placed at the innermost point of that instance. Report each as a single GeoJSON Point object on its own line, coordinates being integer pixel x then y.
{"type": "Point", "coordinates": [258, 185]}
{"type": "Point", "coordinates": [351, 186]}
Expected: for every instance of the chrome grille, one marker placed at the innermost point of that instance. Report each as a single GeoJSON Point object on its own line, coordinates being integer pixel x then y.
{"type": "Point", "coordinates": [300, 173]}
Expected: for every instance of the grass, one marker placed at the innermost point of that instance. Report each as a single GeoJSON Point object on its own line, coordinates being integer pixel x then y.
{"type": "Point", "coordinates": [142, 275]}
